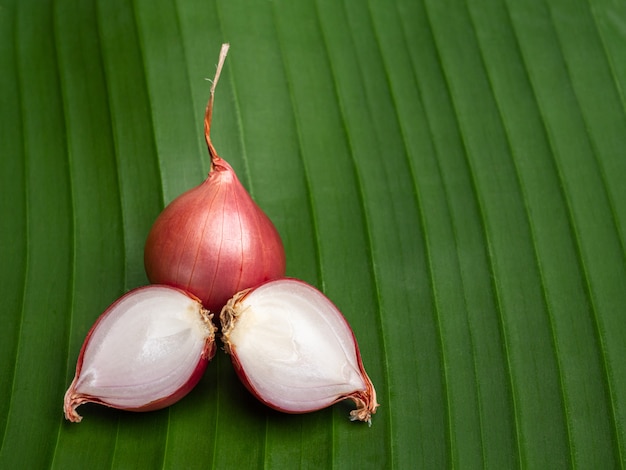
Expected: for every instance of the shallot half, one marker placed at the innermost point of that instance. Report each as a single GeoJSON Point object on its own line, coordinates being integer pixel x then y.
{"type": "Point", "coordinates": [214, 240]}
{"type": "Point", "coordinates": [145, 352]}
{"type": "Point", "coordinates": [294, 350]}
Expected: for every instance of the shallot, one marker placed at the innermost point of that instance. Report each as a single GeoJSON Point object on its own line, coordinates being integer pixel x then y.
{"type": "Point", "coordinates": [145, 352]}
{"type": "Point", "coordinates": [214, 240]}
{"type": "Point", "coordinates": [294, 350]}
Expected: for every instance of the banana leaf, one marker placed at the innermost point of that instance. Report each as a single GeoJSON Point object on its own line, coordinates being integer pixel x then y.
{"type": "Point", "coordinates": [450, 173]}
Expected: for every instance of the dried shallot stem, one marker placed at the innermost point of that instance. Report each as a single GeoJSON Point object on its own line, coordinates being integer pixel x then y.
{"type": "Point", "coordinates": [209, 109]}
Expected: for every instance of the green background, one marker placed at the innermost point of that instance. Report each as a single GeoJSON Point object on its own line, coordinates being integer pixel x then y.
{"type": "Point", "coordinates": [450, 173]}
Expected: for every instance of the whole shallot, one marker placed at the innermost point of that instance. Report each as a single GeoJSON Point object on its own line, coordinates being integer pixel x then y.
{"type": "Point", "coordinates": [214, 240]}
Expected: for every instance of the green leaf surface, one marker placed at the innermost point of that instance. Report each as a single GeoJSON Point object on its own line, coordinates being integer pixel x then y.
{"type": "Point", "coordinates": [450, 173]}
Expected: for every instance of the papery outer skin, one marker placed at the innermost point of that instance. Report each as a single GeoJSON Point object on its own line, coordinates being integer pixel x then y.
{"type": "Point", "coordinates": [73, 398]}
{"type": "Point", "coordinates": [365, 398]}
{"type": "Point", "coordinates": [214, 241]}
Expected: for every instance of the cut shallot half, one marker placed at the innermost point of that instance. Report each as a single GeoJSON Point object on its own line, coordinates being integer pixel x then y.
{"type": "Point", "coordinates": [294, 350]}
{"type": "Point", "coordinates": [145, 352]}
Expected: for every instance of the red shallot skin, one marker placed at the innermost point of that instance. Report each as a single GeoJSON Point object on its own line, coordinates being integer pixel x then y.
{"type": "Point", "coordinates": [74, 399]}
{"type": "Point", "coordinates": [214, 241]}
